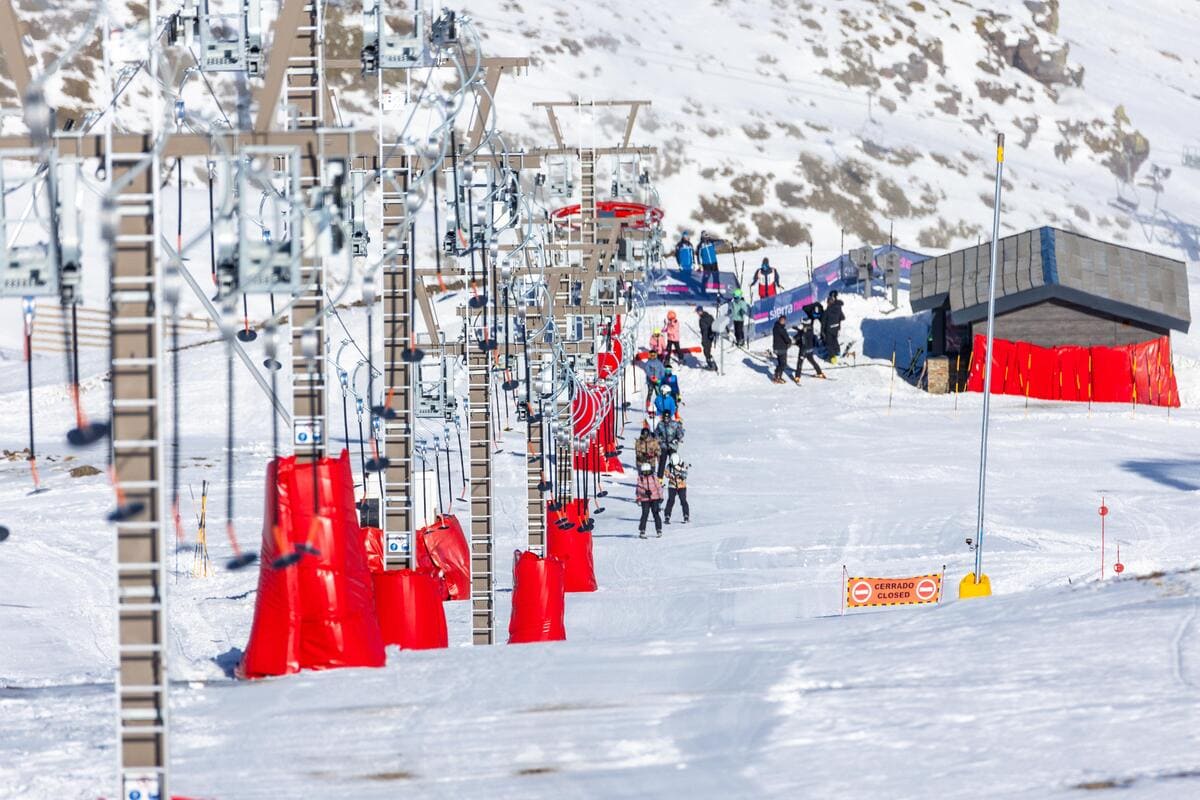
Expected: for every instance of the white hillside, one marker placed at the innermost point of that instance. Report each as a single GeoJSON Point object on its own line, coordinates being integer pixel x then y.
{"type": "Point", "coordinates": [787, 123]}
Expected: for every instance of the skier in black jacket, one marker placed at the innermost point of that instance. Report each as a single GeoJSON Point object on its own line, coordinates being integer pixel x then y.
{"type": "Point", "coordinates": [806, 340]}
{"type": "Point", "coordinates": [706, 336]}
{"type": "Point", "coordinates": [831, 323]}
{"type": "Point", "coordinates": [780, 342]}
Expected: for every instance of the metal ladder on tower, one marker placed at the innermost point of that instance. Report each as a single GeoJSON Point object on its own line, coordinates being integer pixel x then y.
{"type": "Point", "coordinates": [535, 504]}
{"type": "Point", "coordinates": [304, 89]}
{"type": "Point", "coordinates": [137, 457]}
{"type": "Point", "coordinates": [304, 77]}
{"type": "Point", "coordinates": [587, 205]}
{"type": "Point", "coordinates": [479, 381]}
{"type": "Point", "coordinates": [398, 337]}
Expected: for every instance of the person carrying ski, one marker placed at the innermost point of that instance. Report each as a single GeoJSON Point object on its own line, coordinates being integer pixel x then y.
{"type": "Point", "coordinates": [649, 496]}
{"type": "Point", "coordinates": [739, 312]}
{"type": "Point", "coordinates": [766, 279]}
{"type": "Point", "coordinates": [664, 403]}
{"type": "Point", "coordinates": [706, 336]}
{"type": "Point", "coordinates": [831, 323]}
{"type": "Point", "coordinates": [806, 340]}
{"type": "Point", "coordinates": [780, 342]}
{"type": "Point", "coordinates": [655, 373]}
{"type": "Point", "coordinates": [707, 253]}
{"type": "Point", "coordinates": [677, 488]}
{"type": "Point", "coordinates": [658, 344]}
{"type": "Point", "coordinates": [647, 448]}
{"type": "Point", "coordinates": [672, 331]}
{"type": "Point", "coordinates": [685, 253]}
{"type": "Point", "coordinates": [669, 433]}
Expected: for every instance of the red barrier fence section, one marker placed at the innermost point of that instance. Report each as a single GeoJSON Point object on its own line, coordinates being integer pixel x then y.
{"type": "Point", "coordinates": [409, 605]}
{"type": "Point", "coordinates": [572, 546]}
{"type": "Point", "coordinates": [538, 603]}
{"type": "Point", "coordinates": [373, 543]}
{"type": "Point", "coordinates": [442, 548]}
{"type": "Point", "coordinates": [1135, 373]}
{"type": "Point", "coordinates": [274, 646]}
{"type": "Point", "coordinates": [318, 613]}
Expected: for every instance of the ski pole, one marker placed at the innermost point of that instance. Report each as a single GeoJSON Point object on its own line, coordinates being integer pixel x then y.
{"type": "Point", "coordinates": [28, 322]}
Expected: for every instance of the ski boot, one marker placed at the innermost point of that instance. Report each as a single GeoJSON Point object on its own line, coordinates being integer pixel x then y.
{"type": "Point", "coordinates": [822, 376]}
{"type": "Point", "coordinates": [796, 380]}
{"type": "Point", "coordinates": [641, 534]}
{"type": "Point", "coordinates": [666, 520]}
{"type": "Point", "coordinates": [777, 380]}
{"type": "Point", "coordinates": [685, 520]}
{"type": "Point", "coordinates": [658, 533]}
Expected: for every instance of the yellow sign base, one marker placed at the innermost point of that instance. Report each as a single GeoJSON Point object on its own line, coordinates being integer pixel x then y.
{"type": "Point", "coordinates": [968, 588]}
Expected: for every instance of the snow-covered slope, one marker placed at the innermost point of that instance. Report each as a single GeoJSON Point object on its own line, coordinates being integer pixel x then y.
{"type": "Point", "coordinates": [711, 663]}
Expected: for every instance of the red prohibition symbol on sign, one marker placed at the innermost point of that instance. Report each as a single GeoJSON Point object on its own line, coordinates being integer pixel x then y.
{"type": "Point", "coordinates": [1118, 567]}
{"type": "Point", "coordinates": [926, 589]}
{"type": "Point", "coordinates": [861, 592]}
{"type": "Point", "coordinates": [1104, 511]}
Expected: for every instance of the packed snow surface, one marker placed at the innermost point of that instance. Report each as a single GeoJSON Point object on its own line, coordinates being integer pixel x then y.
{"type": "Point", "coordinates": [714, 662]}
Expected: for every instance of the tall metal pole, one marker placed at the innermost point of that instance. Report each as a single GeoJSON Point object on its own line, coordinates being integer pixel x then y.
{"type": "Point", "coordinates": [987, 371]}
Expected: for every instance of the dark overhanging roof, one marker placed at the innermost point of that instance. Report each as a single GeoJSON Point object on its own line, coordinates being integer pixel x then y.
{"type": "Point", "coordinates": [1052, 264]}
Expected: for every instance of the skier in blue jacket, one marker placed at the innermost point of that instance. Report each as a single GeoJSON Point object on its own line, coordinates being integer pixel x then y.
{"type": "Point", "coordinates": [685, 253]}
{"type": "Point", "coordinates": [664, 403]}
{"type": "Point", "coordinates": [707, 254]}
{"type": "Point", "coordinates": [670, 379]}
{"type": "Point", "coordinates": [655, 372]}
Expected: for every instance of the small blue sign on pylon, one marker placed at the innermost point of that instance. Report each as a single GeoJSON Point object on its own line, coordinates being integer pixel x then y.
{"type": "Point", "coordinates": [307, 433]}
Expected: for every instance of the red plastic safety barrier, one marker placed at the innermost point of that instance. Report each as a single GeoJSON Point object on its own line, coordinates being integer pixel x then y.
{"type": "Point", "coordinates": [409, 605]}
{"type": "Point", "coordinates": [538, 603]}
{"type": "Point", "coordinates": [1138, 373]}
{"type": "Point", "coordinates": [373, 544]}
{"type": "Point", "coordinates": [442, 547]}
{"type": "Point", "coordinates": [606, 364]}
{"type": "Point", "coordinates": [1074, 373]}
{"type": "Point", "coordinates": [572, 546]}
{"type": "Point", "coordinates": [319, 612]}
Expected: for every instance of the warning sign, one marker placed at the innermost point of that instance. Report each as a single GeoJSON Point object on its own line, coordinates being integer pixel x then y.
{"type": "Point", "coordinates": [864, 592]}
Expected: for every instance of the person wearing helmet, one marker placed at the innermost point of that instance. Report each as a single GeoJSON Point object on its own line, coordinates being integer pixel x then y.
{"type": "Point", "coordinates": [664, 403]}
{"type": "Point", "coordinates": [677, 488]}
{"type": "Point", "coordinates": [658, 344]}
{"type": "Point", "coordinates": [669, 433]}
{"type": "Point", "coordinates": [647, 449]}
{"type": "Point", "coordinates": [806, 340]}
{"type": "Point", "coordinates": [672, 331]}
{"type": "Point", "coordinates": [707, 336]}
{"type": "Point", "coordinates": [766, 279]}
{"type": "Point", "coordinates": [831, 323]}
{"type": "Point", "coordinates": [648, 492]}
{"type": "Point", "coordinates": [739, 312]}
{"type": "Point", "coordinates": [654, 376]}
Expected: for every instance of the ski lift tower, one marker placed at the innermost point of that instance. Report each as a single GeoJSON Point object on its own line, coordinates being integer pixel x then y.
{"type": "Point", "coordinates": [137, 290]}
{"type": "Point", "coordinates": [584, 274]}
